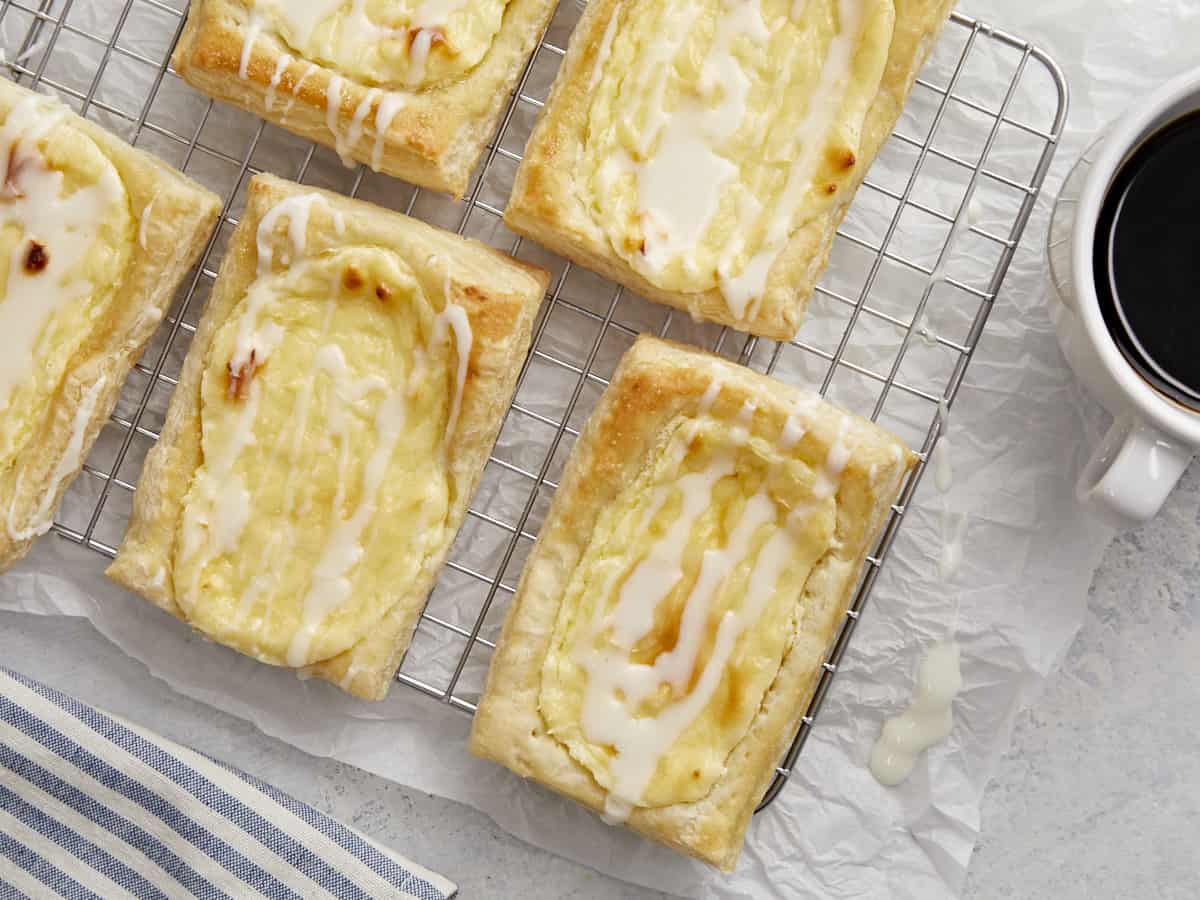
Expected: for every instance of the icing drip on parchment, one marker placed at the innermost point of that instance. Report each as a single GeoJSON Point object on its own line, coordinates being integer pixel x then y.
{"type": "Point", "coordinates": [927, 721]}
{"type": "Point", "coordinates": [929, 718]}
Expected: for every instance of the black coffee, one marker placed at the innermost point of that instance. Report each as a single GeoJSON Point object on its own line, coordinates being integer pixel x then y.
{"type": "Point", "coordinates": [1147, 260]}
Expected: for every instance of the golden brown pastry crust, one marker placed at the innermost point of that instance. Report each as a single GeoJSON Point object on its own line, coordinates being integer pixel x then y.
{"type": "Point", "coordinates": [545, 207]}
{"type": "Point", "coordinates": [501, 297]}
{"type": "Point", "coordinates": [175, 217]}
{"type": "Point", "coordinates": [656, 382]}
{"type": "Point", "coordinates": [435, 141]}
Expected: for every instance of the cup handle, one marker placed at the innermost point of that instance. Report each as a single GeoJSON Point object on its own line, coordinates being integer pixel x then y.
{"type": "Point", "coordinates": [1131, 472]}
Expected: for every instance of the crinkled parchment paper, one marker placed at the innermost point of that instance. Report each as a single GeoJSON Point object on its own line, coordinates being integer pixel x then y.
{"type": "Point", "coordinates": [1018, 433]}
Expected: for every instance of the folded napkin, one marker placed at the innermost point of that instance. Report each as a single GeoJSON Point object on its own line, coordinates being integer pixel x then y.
{"type": "Point", "coordinates": [91, 806]}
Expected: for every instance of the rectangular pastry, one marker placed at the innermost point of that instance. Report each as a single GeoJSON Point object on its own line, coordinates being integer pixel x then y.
{"type": "Point", "coordinates": [413, 88]}
{"type": "Point", "coordinates": [704, 152]}
{"type": "Point", "coordinates": [94, 238]}
{"type": "Point", "coordinates": [333, 417]}
{"type": "Point", "coordinates": [672, 619]}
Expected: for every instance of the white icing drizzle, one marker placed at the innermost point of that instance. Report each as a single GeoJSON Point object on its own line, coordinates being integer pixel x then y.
{"type": "Point", "coordinates": [65, 226]}
{"type": "Point", "coordinates": [231, 512]}
{"type": "Point", "coordinates": [657, 574]}
{"type": "Point", "coordinates": [312, 67]}
{"type": "Point", "coordinates": [356, 28]}
{"type": "Point", "coordinates": [159, 579]}
{"type": "Point", "coordinates": [144, 221]}
{"type": "Point", "coordinates": [962, 223]}
{"type": "Point", "coordinates": [419, 55]}
{"type": "Point", "coordinates": [333, 108]}
{"type": "Point", "coordinates": [675, 217]}
{"type": "Point", "coordinates": [954, 525]}
{"type": "Point", "coordinates": [923, 331]}
{"type": "Point", "coordinates": [330, 358]}
{"type": "Point", "coordinates": [281, 66]}
{"type": "Point", "coordinates": [709, 397]}
{"type": "Point", "coordinates": [741, 427]}
{"type": "Point", "coordinates": [616, 687]}
{"type": "Point", "coordinates": [301, 409]}
{"type": "Point", "coordinates": [455, 318]}
{"type": "Point", "coordinates": [829, 476]}
{"type": "Point", "coordinates": [748, 286]}
{"type": "Point", "coordinates": [331, 583]}
{"type": "Point", "coordinates": [605, 49]}
{"type": "Point", "coordinates": [347, 680]}
{"type": "Point", "coordinates": [954, 532]}
{"type": "Point", "coordinates": [198, 526]}
{"type": "Point", "coordinates": [298, 419]}
{"type": "Point", "coordinates": [33, 50]}
{"type": "Point", "coordinates": [799, 420]}
{"type": "Point", "coordinates": [253, 29]}
{"type": "Point", "coordinates": [389, 106]}
{"type": "Point", "coordinates": [355, 132]}
{"type": "Point", "coordinates": [616, 810]}
{"type": "Point", "coordinates": [943, 471]}
{"type": "Point", "coordinates": [297, 210]}
{"type": "Point", "coordinates": [68, 464]}
{"type": "Point", "coordinates": [675, 666]}
{"type": "Point", "coordinates": [251, 339]}
{"type": "Point", "coordinates": [343, 548]}
{"type": "Point", "coordinates": [428, 18]}
{"type": "Point", "coordinates": [927, 721]}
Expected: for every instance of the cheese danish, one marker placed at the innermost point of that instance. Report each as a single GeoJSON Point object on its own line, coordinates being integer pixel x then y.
{"type": "Point", "coordinates": [672, 619]}
{"type": "Point", "coordinates": [333, 418]}
{"type": "Point", "coordinates": [95, 236]}
{"type": "Point", "coordinates": [413, 88]}
{"type": "Point", "coordinates": [704, 152]}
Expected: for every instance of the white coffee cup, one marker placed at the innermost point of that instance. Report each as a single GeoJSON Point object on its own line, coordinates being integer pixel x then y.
{"type": "Point", "coordinates": [1152, 438]}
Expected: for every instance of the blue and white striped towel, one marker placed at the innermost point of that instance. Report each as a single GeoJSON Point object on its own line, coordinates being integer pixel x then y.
{"type": "Point", "coordinates": [94, 807]}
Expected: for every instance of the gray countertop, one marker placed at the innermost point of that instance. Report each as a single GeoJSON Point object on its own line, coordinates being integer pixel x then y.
{"type": "Point", "coordinates": [1099, 796]}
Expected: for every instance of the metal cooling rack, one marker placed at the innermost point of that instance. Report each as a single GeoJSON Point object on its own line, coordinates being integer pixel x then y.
{"type": "Point", "coordinates": [986, 79]}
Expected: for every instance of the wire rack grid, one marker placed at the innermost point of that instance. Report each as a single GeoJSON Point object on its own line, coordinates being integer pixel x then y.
{"type": "Point", "coordinates": [977, 132]}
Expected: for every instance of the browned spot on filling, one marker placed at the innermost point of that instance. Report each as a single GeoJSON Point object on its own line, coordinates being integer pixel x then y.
{"type": "Point", "coordinates": [848, 159]}
{"type": "Point", "coordinates": [352, 279]}
{"type": "Point", "coordinates": [382, 292]}
{"type": "Point", "coordinates": [241, 376]}
{"type": "Point", "coordinates": [16, 165]}
{"type": "Point", "coordinates": [36, 258]}
{"type": "Point", "coordinates": [436, 39]}
{"type": "Point", "coordinates": [831, 189]}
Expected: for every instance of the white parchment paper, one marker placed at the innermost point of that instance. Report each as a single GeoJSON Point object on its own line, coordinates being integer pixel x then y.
{"type": "Point", "coordinates": [1017, 436]}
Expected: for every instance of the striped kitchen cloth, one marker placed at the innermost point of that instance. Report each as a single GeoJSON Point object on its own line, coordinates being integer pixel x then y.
{"type": "Point", "coordinates": [91, 806]}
